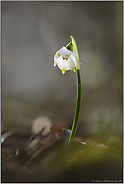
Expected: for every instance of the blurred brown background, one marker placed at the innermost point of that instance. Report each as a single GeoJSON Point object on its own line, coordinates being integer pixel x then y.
{"type": "Point", "coordinates": [31, 34]}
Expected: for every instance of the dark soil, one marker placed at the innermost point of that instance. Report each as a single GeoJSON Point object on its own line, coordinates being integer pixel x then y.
{"type": "Point", "coordinates": [27, 158]}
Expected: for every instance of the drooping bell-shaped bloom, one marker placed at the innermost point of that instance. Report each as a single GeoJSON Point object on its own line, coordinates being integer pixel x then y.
{"type": "Point", "coordinates": [66, 60]}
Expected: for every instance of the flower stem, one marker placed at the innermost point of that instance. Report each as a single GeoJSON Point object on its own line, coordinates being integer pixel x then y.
{"type": "Point", "coordinates": [69, 46]}
{"type": "Point", "coordinates": [77, 111]}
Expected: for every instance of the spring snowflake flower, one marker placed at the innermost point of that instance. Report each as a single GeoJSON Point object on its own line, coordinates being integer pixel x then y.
{"type": "Point", "coordinates": [66, 60]}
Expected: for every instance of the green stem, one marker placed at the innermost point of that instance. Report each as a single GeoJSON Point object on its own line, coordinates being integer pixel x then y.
{"type": "Point", "coordinates": [69, 46]}
{"type": "Point", "coordinates": [77, 111]}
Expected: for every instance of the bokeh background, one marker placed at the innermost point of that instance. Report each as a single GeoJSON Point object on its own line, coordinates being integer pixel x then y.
{"type": "Point", "coordinates": [31, 87]}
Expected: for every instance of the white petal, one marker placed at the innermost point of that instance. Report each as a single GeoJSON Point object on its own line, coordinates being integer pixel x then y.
{"type": "Point", "coordinates": [74, 58]}
{"type": "Point", "coordinates": [65, 52]}
{"type": "Point", "coordinates": [62, 64]}
{"type": "Point", "coordinates": [71, 63]}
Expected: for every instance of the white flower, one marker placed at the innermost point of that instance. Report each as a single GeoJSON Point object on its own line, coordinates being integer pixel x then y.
{"type": "Point", "coordinates": [66, 60]}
